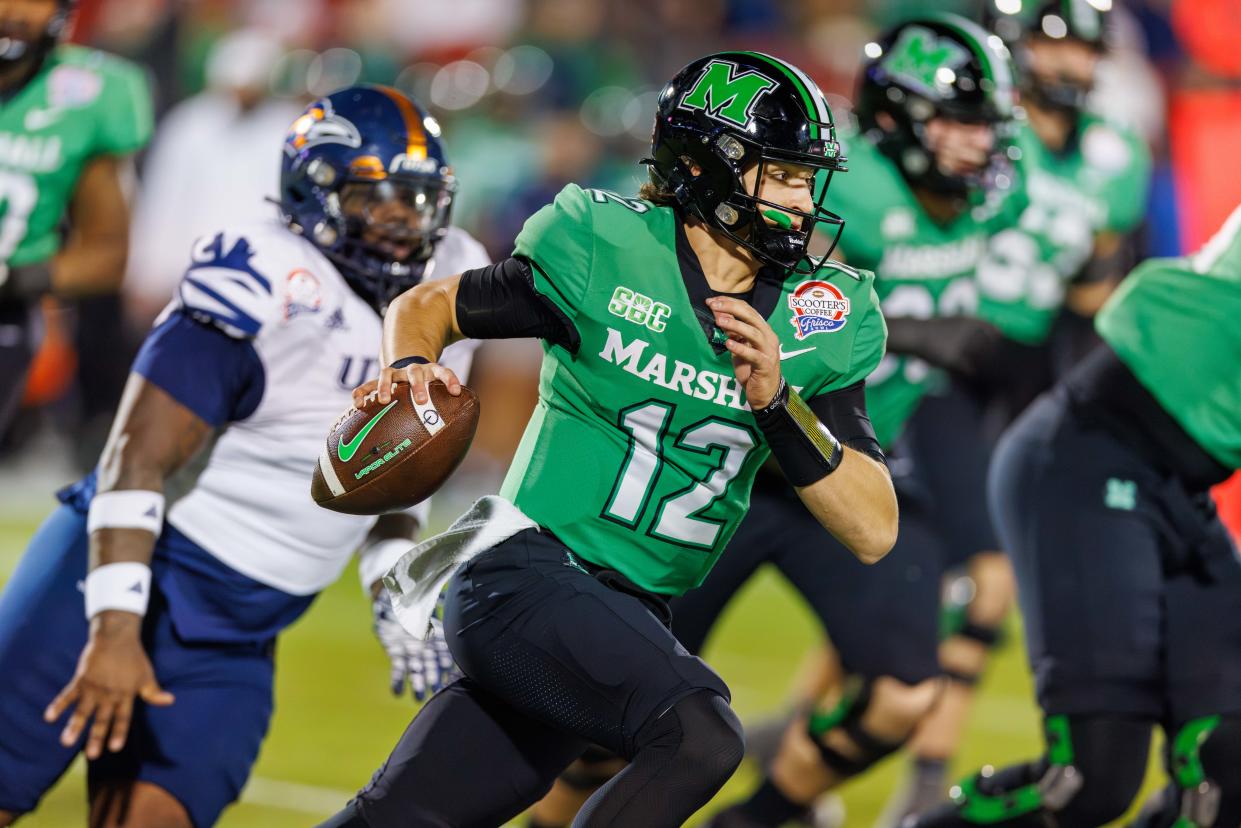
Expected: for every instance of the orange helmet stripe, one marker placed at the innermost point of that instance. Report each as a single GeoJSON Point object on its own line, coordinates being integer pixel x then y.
{"type": "Point", "coordinates": [416, 146]}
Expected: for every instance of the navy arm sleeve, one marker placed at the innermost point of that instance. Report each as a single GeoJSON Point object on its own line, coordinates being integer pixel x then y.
{"type": "Point", "coordinates": [843, 411]}
{"type": "Point", "coordinates": [218, 377]}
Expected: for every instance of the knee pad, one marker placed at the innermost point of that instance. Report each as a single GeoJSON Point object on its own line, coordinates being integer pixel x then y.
{"type": "Point", "coordinates": [1016, 794]}
{"type": "Point", "coordinates": [988, 636]}
{"type": "Point", "coordinates": [1088, 777]}
{"type": "Point", "coordinates": [1199, 753]}
{"type": "Point", "coordinates": [847, 717]}
{"type": "Point", "coordinates": [1204, 761]}
{"type": "Point", "coordinates": [699, 730]}
{"type": "Point", "coordinates": [595, 767]}
{"type": "Point", "coordinates": [714, 737]}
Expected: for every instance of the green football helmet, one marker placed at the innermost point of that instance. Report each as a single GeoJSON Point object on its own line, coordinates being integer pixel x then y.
{"type": "Point", "coordinates": [1083, 21]}
{"type": "Point", "coordinates": [940, 66]}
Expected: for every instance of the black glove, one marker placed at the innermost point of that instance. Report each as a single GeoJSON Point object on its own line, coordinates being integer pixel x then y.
{"type": "Point", "coordinates": [962, 345]}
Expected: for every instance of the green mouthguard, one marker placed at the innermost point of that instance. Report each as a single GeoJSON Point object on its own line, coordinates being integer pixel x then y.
{"type": "Point", "coordinates": [779, 218]}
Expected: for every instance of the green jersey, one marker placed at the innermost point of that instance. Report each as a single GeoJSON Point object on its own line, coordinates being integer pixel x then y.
{"type": "Point", "coordinates": [923, 269]}
{"type": "Point", "coordinates": [82, 103]}
{"type": "Point", "coordinates": [641, 452]}
{"type": "Point", "coordinates": [1173, 322]}
{"type": "Point", "coordinates": [1098, 185]}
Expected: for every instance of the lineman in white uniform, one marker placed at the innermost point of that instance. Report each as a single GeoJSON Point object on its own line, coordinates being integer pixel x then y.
{"type": "Point", "coordinates": [196, 534]}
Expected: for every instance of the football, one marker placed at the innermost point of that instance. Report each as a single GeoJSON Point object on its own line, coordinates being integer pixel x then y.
{"type": "Point", "coordinates": [385, 458]}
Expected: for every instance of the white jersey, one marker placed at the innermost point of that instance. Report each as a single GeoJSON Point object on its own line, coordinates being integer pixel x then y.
{"type": "Point", "coordinates": [250, 506]}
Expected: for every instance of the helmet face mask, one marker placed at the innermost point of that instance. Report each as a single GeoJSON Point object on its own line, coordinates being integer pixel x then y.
{"type": "Point", "coordinates": [937, 69]}
{"type": "Point", "coordinates": [1057, 44]}
{"type": "Point", "coordinates": [1059, 74]}
{"type": "Point", "coordinates": [721, 124]}
{"type": "Point", "coordinates": [364, 178]}
{"type": "Point", "coordinates": [400, 220]}
{"type": "Point", "coordinates": [25, 39]}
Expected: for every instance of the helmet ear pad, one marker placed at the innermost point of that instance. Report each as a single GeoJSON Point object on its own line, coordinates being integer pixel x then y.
{"type": "Point", "coordinates": [701, 181]}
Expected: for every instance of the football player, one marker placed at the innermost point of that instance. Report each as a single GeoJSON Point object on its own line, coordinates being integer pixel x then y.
{"type": "Point", "coordinates": [928, 182]}
{"type": "Point", "coordinates": [934, 104]}
{"type": "Point", "coordinates": [1086, 182]}
{"type": "Point", "coordinates": [663, 320]}
{"type": "Point", "coordinates": [72, 118]}
{"type": "Point", "coordinates": [1129, 583]}
{"type": "Point", "coordinates": [196, 535]}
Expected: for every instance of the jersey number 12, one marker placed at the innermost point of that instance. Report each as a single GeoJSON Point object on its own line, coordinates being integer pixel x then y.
{"type": "Point", "coordinates": [678, 516]}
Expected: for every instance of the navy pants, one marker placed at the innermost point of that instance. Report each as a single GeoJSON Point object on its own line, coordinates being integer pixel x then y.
{"type": "Point", "coordinates": [1129, 585]}
{"type": "Point", "coordinates": [181, 748]}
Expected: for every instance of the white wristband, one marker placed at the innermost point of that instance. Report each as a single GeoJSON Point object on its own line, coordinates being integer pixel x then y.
{"type": "Point", "coordinates": [131, 509]}
{"type": "Point", "coordinates": [377, 559]}
{"type": "Point", "coordinates": [118, 586]}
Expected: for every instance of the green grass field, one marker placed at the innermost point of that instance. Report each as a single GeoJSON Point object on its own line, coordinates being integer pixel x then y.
{"type": "Point", "coordinates": [335, 719]}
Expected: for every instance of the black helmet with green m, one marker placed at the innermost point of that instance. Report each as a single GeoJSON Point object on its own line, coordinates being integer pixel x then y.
{"type": "Point", "coordinates": [939, 66]}
{"type": "Point", "coordinates": [726, 113]}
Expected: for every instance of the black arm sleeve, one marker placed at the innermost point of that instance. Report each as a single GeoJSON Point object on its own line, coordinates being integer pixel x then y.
{"type": "Point", "coordinates": [961, 344]}
{"type": "Point", "coordinates": [499, 302]}
{"type": "Point", "coordinates": [844, 413]}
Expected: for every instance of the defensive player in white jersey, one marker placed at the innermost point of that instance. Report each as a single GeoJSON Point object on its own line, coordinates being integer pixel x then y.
{"type": "Point", "coordinates": [272, 327]}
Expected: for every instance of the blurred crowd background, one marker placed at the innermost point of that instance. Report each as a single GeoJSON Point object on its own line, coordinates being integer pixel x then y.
{"type": "Point", "coordinates": [531, 94]}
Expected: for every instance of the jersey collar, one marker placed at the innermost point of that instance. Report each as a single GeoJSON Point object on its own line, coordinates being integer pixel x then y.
{"type": "Point", "coordinates": [763, 296]}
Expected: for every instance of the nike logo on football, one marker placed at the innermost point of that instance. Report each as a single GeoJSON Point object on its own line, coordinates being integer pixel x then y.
{"type": "Point", "coordinates": [37, 119]}
{"type": "Point", "coordinates": [347, 448]}
{"type": "Point", "coordinates": [790, 354]}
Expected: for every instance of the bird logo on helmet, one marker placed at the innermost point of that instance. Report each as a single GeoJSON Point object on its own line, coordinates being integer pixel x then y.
{"type": "Point", "coordinates": [365, 179]}
{"type": "Point", "coordinates": [725, 114]}
{"type": "Point", "coordinates": [936, 66]}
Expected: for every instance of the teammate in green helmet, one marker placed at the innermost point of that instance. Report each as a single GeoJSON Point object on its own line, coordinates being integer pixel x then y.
{"type": "Point", "coordinates": [1129, 583]}
{"type": "Point", "coordinates": [1084, 183]}
{"type": "Point", "coordinates": [71, 119]}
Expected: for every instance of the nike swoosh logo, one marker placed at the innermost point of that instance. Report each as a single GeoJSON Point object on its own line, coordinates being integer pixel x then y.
{"type": "Point", "coordinates": [790, 354]}
{"type": "Point", "coordinates": [346, 449]}
{"type": "Point", "coordinates": [37, 119]}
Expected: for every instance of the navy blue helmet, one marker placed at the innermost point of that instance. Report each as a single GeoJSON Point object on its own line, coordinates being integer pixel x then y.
{"type": "Point", "coordinates": [364, 178]}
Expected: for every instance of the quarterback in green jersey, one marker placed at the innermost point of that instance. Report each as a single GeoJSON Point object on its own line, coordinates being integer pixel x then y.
{"type": "Point", "coordinates": [688, 336]}
{"type": "Point", "coordinates": [70, 118]}
{"type": "Point", "coordinates": [1129, 583]}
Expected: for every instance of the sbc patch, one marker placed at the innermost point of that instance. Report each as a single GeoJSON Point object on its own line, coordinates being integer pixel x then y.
{"type": "Point", "coordinates": [818, 307]}
{"type": "Point", "coordinates": [302, 294]}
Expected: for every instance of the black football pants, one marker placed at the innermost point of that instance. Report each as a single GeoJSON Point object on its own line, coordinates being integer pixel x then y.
{"type": "Point", "coordinates": [558, 654]}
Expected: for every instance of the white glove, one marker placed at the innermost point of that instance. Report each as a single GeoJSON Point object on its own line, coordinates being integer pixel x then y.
{"type": "Point", "coordinates": [428, 663]}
